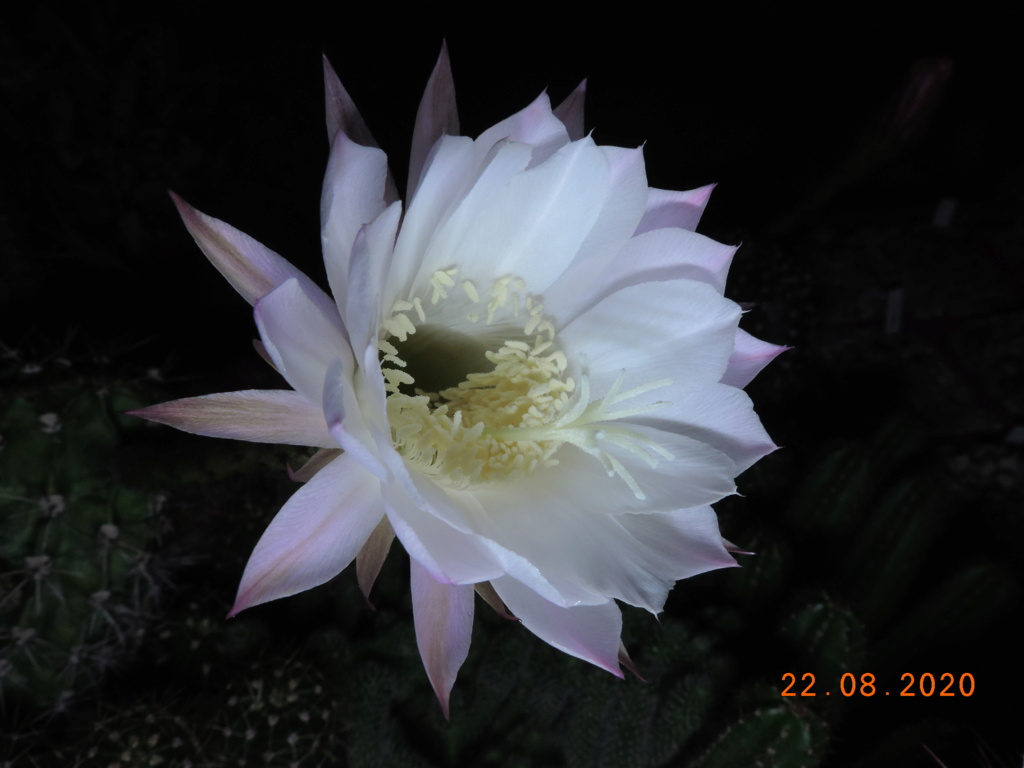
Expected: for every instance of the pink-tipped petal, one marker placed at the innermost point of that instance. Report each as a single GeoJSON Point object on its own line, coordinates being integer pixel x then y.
{"type": "Point", "coordinates": [437, 116]}
{"type": "Point", "coordinates": [588, 632]}
{"type": "Point", "coordinates": [750, 356]}
{"type": "Point", "coordinates": [444, 625]}
{"type": "Point", "coordinates": [667, 208]}
{"type": "Point", "coordinates": [259, 416]}
{"type": "Point", "coordinates": [534, 125]}
{"type": "Point", "coordinates": [371, 557]}
{"type": "Point", "coordinates": [570, 112]}
{"type": "Point", "coordinates": [342, 114]}
{"type": "Point", "coordinates": [315, 535]}
{"type": "Point", "coordinates": [487, 593]}
{"type": "Point", "coordinates": [627, 662]}
{"type": "Point", "coordinates": [252, 269]}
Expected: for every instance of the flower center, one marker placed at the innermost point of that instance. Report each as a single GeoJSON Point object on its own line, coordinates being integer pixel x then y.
{"type": "Point", "coordinates": [478, 389]}
{"type": "Point", "coordinates": [464, 373]}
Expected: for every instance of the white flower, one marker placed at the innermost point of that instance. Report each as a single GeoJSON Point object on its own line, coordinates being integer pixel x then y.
{"type": "Point", "coordinates": [529, 375]}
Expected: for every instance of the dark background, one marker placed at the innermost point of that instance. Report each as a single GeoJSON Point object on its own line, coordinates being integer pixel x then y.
{"type": "Point", "coordinates": [835, 142]}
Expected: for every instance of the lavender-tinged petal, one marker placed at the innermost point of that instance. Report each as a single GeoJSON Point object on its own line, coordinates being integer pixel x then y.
{"type": "Point", "coordinates": [315, 535]}
{"type": "Point", "coordinates": [749, 357]}
{"type": "Point", "coordinates": [371, 557]}
{"type": "Point", "coordinates": [534, 125]}
{"type": "Point", "coordinates": [588, 632]}
{"type": "Point", "coordinates": [668, 208]}
{"type": "Point", "coordinates": [486, 591]}
{"type": "Point", "coordinates": [300, 339]}
{"type": "Point", "coordinates": [570, 112]}
{"type": "Point", "coordinates": [372, 252]}
{"type": "Point", "coordinates": [345, 420]}
{"type": "Point", "coordinates": [437, 116]}
{"type": "Point", "coordinates": [314, 464]}
{"type": "Point", "coordinates": [259, 416]}
{"type": "Point", "coordinates": [352, 196]}
{"type": "Point", "coordinates": [252, 269]}
{"type": "Point", "coordinates": [342, 113]}
{"type": "Point", "coordinates": [443, 615]}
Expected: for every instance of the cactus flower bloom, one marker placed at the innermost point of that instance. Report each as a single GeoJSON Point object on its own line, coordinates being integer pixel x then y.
{"type": "Point", "coordinates": [528, 374]}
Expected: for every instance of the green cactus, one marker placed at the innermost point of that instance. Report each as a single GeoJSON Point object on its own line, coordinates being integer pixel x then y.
{"type": "Point", "coordinates": [78, 579]}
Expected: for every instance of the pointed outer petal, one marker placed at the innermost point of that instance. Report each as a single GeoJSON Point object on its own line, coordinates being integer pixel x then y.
{"type": "Point", "coordinates": [259, 416]}
{"type": "Point", "coordinates": [570, 522]}
{"type": "Point", "coordinates": [749, 357]}
{"type": "Point", "coordinates": [316, 462]}
{"type": "Point", "coordinates": [623, 207]}
{"type": "Point", "coordinates": [315, 535]}
{"type": "Point", "coordinates": [668, 208]}
{"type": "Point", "coordinates": [486, 591]}
{"type": "Point", "coordinates": [252, 269]}
{"type": "Point", "coordinates": [735, 549]}
{"type": "Point", "coordinates": [345, 420]}
{"type": "Point", "coordinates": [718, 415]}
{"type": "Point", "coordinates": [588, 632]}
{"type": "Point", "coordinates": [657, 256]}
{"type": "Point", "coordinates": [535, 125]}
{"type": "Point", "coordinates": [420, 512]}
{"type": "Point", "coordinates": [371, 259]}
{"type": "Point", "coordinates": [627, 662]}
{"type": "Point", "coordinates": [570, 112]}
{"type": "Point", "coordinates": [261, 350]}
{"type": "Point", "coordinates": [353, 195]}
{"type": "Point", "coordinates": [372, 556]}
{"type": "Point", "coordinates": [437, 116]}
{"type": "Point", "coordinates": [680, 330]}
{"type": "Point", "coordinates": [532, 226]}
{"type": "Point", "coordinates": [444, 627]}
{"type": "Point", "coordinates": [342, 114]}
{"type": "Point", "coordinates": [300, 339]}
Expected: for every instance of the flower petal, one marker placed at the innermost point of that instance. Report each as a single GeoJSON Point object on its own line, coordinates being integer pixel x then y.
{"type": "Point", "coordinates": [556, 205]}
{"type": "Point", "coordinates": [444, 626]}
{"type": "Point", "coordinates": [535, 125]}
{"type": "Point", "coordinates": [634, 331]}
{"type": "Point", "coordinates": [570, 112]}
{"type": "Point", "coordinates": [588, 632]}
{"type": "Point", "coordinates": [372, 252]}
{"type": "Point", "coordinates": [300, 338]}
{"type": "Point", "coordinates": [252, 269]}
{"type": "Point", "coordinates": [345, 420]}
{"type": "Point", "coordinates": [315, 536]}
{"type": "Point", "coordinates": [371, 557]}
{"type": "Point", "coordinates": [260, 416]}
{"type": "Point", "coordinates": [667, 208]}
{"type": "Point", "coordinates": [353, 196]}
{"type": "Point", "coordinates": [586, 552]}
{"type": "Point", "coordinates": [342, 113]}
{"type": "Point", "coordinates": [656, 256]}
{"type": "Point", "coordinates": [437, 116]}
{"type": "Point", "coordinates": [749, 357]}
{"type": "Point", "coordinates": [718, 415]}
